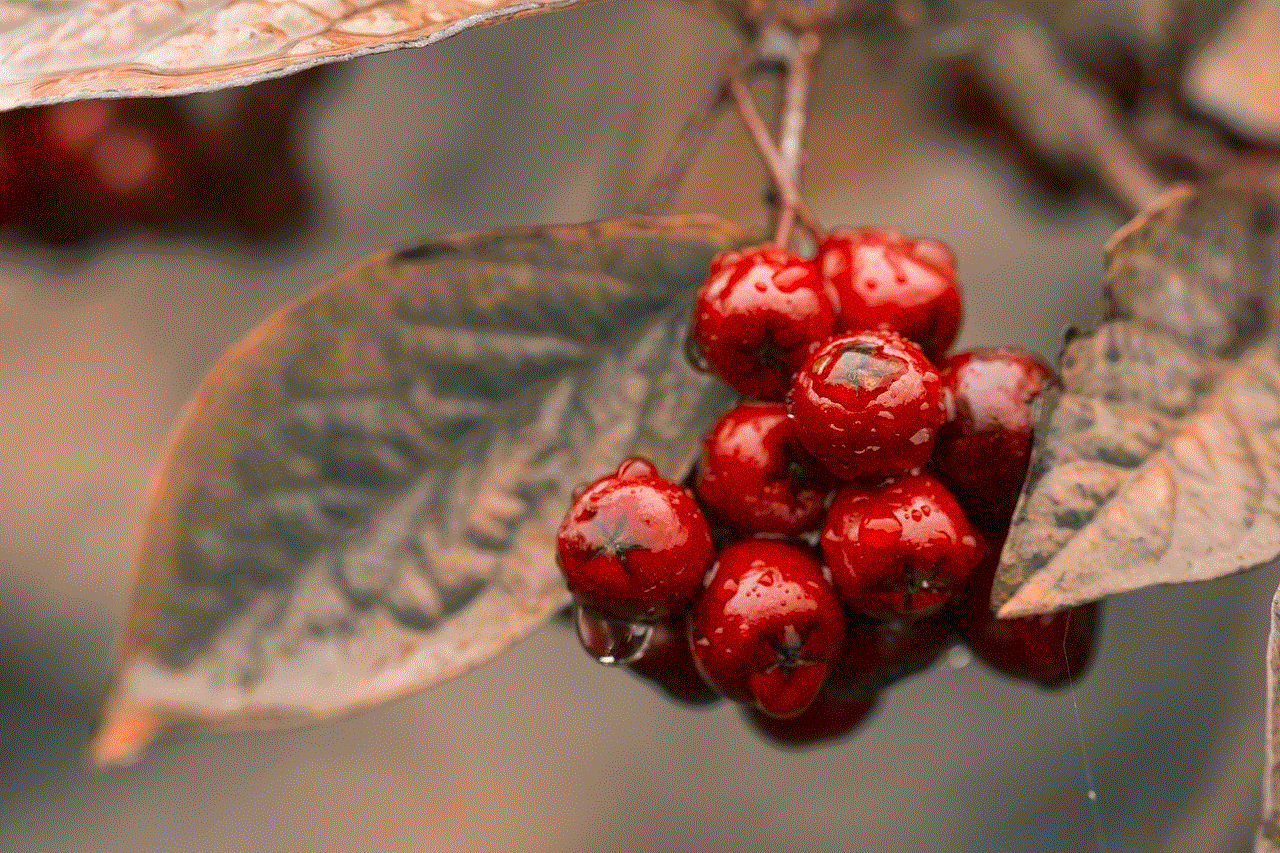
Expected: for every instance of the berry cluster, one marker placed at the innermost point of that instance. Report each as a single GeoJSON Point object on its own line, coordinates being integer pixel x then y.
{"type": "Point", "coordinates": [845, 518]}
{"type": "Point", "coordinates": [73, 170]}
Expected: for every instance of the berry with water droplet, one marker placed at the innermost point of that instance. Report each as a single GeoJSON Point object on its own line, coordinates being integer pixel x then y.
{"type": "Point", "coordinates": [867, 405]}
{"type": "Point", "coordinates": [883, 280]}
{"type": "Point", "coordinates": [756, 317]}
{"type": "Point", "coordinates": [610, 641]}
{"type": "Point", "coordinates": [984, 447]}
{"type": "Point", "coordinates": [633, 545]}
{"type": "Point", "coordinates": [667, 662]}
{"type": "Point", "coordinates": [767, 627]}
{"type": "Point", "coordinates": [900, 549]}
{"type": "Point", "coordinates": [755, 476]}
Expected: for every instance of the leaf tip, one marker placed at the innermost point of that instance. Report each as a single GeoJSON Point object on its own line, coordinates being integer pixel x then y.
{"type": "Point", "coordinates": [125, 731]}
{"type": "Point", "coordinates": [1033, 598]}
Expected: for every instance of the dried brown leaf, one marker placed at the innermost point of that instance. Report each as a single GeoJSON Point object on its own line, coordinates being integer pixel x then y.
{"type": "Point", "coordinates": [82, 48]}
{"type": "Point", "coordinates": [361, 499]}
{"type": "Point", "coordinates": [1157, 459]}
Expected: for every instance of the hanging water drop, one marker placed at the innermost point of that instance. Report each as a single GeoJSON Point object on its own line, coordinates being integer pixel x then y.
{"type": "Point", "coordinates": [612, 642]}
{"type": "Point", "coordinates": [696, 358]}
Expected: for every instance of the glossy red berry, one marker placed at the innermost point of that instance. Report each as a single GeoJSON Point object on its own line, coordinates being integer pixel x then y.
{"type": "Point", "coordinates": [668, 663]}
{"type": "Point", "coordinates": [868, 405]}
{"type": "Point", "coordinates": [754, 475]}
{"type": "Point", "coordinates": [883, 280]}
{"type": "Point", "coordinates": [633, 545]}
{"type": "Point", "coordinates": [1051, 650]}
{"type": "Point", "coordinates": [984, 447]}
{"type": "Point", "coordinates": [879, 652]}
{"type": "Point", "coordinates": [767, 627]}
{"type": "Point", "coordinates": [901, 549]}
{"type": "Point", "coordinates": [756, 317]}
{"type": "Point", "coordinates": [829, 718]}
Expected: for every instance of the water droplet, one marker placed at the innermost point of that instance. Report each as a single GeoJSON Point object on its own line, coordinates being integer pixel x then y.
{"type": "Point", "coordinates": [879, 532]}
{"type": "Point", "coordinates": [612, 642]}
{"type": "Point", "coordinates": [958, 657]}
{"type": "Point", "coordinates": [1093, 795]}
{"type": "Point", "coordinates": [694, 353]}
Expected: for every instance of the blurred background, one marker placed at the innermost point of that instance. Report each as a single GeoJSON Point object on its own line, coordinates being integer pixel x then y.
{"type": "Point", "coordinates": [562, 118]}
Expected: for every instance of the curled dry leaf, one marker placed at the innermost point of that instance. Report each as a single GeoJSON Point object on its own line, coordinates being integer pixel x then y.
{"type": "Point", "coordinates": [361, 498]}
{"type": "Point", "coordinates": [84, 48]}
{"type": "Point", "coordinates": [1157, 459]}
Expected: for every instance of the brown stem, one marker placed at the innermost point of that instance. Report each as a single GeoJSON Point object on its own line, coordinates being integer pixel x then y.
{"type": "Point", "coordinates": [779, 172]}
{"type": "Point", "coordinates": [791, 122]}
{"type": "Point", "coordinates": [1067, 119]}
{"type": "Point", "coordinates": [691, 138]}
{"type": "Point", "coordinates": [1268, 836]}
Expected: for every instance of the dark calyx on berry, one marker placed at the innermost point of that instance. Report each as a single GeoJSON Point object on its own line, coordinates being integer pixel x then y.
{"type": "Point", "coordinates": [867, 405]}
{"type": "Point", "coordinates": [757, 316]}
{"type": "Point", "coordinates": [984, 448]}
{"type": "Point", "coordinates": [901, 549]}
{"type": "Point", "coordinates": [633, 545]}
{"type": "Point", "coordinates": [755, 476]}
{"type": "Point", "coordinates": [767, 627]}
{"type": "Point", "coordinates": [883, 280]}
{"type": "Point", "coordinates": [1051, 650]}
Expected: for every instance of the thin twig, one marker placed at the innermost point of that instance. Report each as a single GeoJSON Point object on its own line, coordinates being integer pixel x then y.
{"type": "Point", "coordinates": [1067, 118]}
{"type": "Point", "coordinates": [691, 138]}
{"type": "Point", "coordinates": [1268, 836]}
{"type": "Point", "coordinates": [791, 122]}
{"type": "Point", "coordinates": [789, 196]}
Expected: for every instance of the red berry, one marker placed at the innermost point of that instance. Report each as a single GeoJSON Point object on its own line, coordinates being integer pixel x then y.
{"type": "Point", "coordinates": [755, 476]}
{"type": "Point", "coordinates": [633, 545]}
{"type": "Point", "coordinates": [883, 280]}
{"type": "Point", "coordinates": [828, 718]}
{"type": "Point", "coordinates": [868, 405]}
{"type": "Point", "coordinates": [143, 169]}
{"type": "Point", "coordinates": [668, 663]}
{"type": "Point", "coordinates": [900, 549]}
{"type": "Point", "coordinates": [1051, 650]}
{"type": "Point", "coordinates": [102, 162]}
{"type": "Point", "coordinates": [60, 137]}
{"type": "Point", "coordinates": [757, 315]}
{"type": "Point", "coordinates": [767, 627]}
{"type": "Point", "coordinates": [984, 447]}
{"type": "Point", "coordinates": [878, 652]}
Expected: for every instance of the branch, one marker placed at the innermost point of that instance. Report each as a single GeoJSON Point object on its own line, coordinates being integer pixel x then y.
{"type": "Point", "coordinates": [691, 138]}
{"type": "Point", "coordinates": [789, 195]}
{"type": "Point", "coordinates": [1066, 118]}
